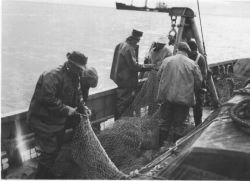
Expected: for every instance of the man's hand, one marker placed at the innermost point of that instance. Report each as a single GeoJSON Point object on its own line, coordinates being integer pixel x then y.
{"type": "Point", "coordinates": [72, 111]}
{"type": "Point", "coordinates": [88, 112]}
{"type": "Point", "coordinates": [74, 116]}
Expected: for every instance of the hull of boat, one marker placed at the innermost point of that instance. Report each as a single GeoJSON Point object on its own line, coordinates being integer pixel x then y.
{"type": "Point", "coordinates": [122, 6]}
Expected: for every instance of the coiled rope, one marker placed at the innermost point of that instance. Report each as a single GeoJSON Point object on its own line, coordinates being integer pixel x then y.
{"type": "Point", "coordinates": [240, 114]}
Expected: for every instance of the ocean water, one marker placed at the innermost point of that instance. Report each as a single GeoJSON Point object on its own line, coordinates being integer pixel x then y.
{"type": "Point", "coordinates": [37, 36]}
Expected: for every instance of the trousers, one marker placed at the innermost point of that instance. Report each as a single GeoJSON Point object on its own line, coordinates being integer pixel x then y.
{"type": "Point", "coordinates": [198, 107]}
{"type": "Point", "coordinates": [124, 98]}
{"type": "Point", "coordinates": [49, 145]}
{"type": "Point", "coordinates": [173, 115]}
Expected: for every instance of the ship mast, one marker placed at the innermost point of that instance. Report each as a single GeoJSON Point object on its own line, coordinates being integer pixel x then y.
{"type": "Point", "coordinates": [146, 3]}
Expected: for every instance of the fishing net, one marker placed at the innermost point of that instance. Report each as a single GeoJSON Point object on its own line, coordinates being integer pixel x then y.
{"type": "Point", "coordinates": [121, 147]}
{"type": "Point", "coordinates": [226, 84]}
{"type": "Point", "coordinates": [90, 156]}
{"type": "Point", "coordinates": [146, 97]}
{"type": "Point", "coordinates": [84, 157]}
{"type": "Point", "coordinates": [127, 139]}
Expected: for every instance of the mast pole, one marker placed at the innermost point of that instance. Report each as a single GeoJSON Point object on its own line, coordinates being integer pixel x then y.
{"type": "Point", "coordinates": [146, 3]}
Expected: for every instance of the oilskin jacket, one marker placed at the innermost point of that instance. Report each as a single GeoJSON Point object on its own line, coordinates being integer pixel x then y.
{"type": "Point", "coordinates": [125, 68]}
{"type": "Point", "coordinates": [55, 91]}
{"type": "Point", "coordinates": [179, 76]}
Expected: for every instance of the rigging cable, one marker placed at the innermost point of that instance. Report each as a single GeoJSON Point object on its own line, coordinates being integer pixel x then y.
{"type": "Point", "coordinates": [203, 42]}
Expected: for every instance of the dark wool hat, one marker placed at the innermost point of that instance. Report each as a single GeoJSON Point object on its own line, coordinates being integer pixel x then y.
{"type": "Point", "coordinates": [77, 58]}
{"type": "Point", "coordinates": [137, 34]}
{"type": "Point", "coordinates": [90, 75]}
{"type": "Point", "coordinates": [183, 46]}
{"type": "Point", "coordinates": [192, 44]}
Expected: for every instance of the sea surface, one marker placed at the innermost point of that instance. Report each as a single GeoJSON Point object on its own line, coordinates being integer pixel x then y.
{"type": "Point", "coordinates": [37, 36]}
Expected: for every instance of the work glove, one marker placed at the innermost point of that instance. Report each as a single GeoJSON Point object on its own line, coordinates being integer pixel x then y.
{"type": "Point", "coordinates": [71, 110]}
{"type": "Point", "coordinates": [87, 111]}
{"type": "Point", "coordinates": [83, 109]}
{"type": "Point", "coordinates": [74, 116]}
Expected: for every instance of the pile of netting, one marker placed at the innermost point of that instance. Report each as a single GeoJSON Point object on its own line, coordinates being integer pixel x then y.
{"type": "Point", "coordinates": [84, 157]}
{"type": "Point", "coordinates": [123, 147]}
{"type": "Point", "coordinates": [127, 139]}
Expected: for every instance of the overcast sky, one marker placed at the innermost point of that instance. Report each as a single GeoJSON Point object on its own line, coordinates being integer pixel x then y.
{"type": "Point", "coordinates": [111, 3]}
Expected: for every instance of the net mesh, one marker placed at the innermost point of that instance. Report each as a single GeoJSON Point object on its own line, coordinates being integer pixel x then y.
{"type": "Point", "coordinates": [146, 97]}
{"type": "Point", "coordinates": [127, 139]}
{"type": "Point", "coordinates": [90, 156]}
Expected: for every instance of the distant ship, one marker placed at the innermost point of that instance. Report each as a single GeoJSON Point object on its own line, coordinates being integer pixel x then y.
{"type": "Point", "coordinates": [160, 7]}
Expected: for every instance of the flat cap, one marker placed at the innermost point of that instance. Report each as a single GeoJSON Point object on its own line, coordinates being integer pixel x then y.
{"type": "Point", "coordinates": [77, 58]}
{"type": "Point", "coordinates": [90, 76]}
{"type": "Point", "coordinates": [183, 46]}
{"type": "Point", "coordinates": [137, 34]}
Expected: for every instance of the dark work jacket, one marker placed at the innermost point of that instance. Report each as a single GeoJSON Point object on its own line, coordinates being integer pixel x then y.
{"type": "Point", "coordinates": [125, 68]}
{"type": "Point", "coordinates": [54, 92]}
{"type": "Point", "coordinates": [202, 64]}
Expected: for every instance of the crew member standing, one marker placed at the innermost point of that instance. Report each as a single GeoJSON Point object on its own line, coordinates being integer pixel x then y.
{"type": "Point", "coordinates": [55, 101]}
{"type": "Point", "coordinates": [124, 71]}
{"type": "Point", "coordinates": [179, 76]}
{"type": "Point", "coordinates": [199, 94]}
{"type": "Point", "coordinates": [148, 93]}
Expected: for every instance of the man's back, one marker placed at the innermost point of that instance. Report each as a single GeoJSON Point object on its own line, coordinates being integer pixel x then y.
{"type": "Point", "coordinates": [125, 68]}
{"type": "Point", "coordinates": [178, 77]}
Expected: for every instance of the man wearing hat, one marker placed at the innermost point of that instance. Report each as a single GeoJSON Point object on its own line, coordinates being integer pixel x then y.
{"type": "Point", "coordinates": [199, 94]}
{"type": "Point", "coordinates": [179, 77]}
{"type": "Point", "coordinates": [157, 53]}
{"type": "Point", "coordinates": [55, 101]}
{"type": "Point", "coordinates": [124, 71]}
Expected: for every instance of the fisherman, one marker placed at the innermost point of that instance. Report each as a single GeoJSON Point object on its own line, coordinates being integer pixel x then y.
{"type": "Point", "coordinates": [179, 77]}
{"type": "Point", "coordinates": [188, 34]}
{"type": "Point", "coordinates": [57, 99]}
{"type": "Point", "coordinates": [124, 71]}
{"type": "Point", "coordinates": [200, 93]}
{"type": "Point", "coordinates": [157, 53]}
